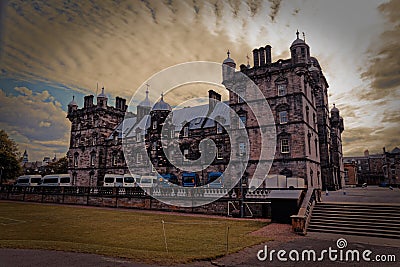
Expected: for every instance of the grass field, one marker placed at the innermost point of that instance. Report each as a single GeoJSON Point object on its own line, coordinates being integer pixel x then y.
{"type": "Point", "coordinates": [122, 233]}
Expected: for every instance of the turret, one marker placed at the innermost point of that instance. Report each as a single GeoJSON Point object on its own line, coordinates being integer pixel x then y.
{"type": "Point", "coordinates": [72, 106]}
{"type": "Point", "coordinates": [228, 68]}
{"type": "Point", "coordinates": [300, 51]}
{"type": "Point", "coordinates": [102, 99]}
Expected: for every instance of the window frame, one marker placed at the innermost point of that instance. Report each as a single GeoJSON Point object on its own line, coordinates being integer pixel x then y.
{"type": "Point", "coordinates": [281, 89]}
{"type": "Point", "coordinates": [286, 145]}
{"type": "Point", "coordinates": [281, 121]}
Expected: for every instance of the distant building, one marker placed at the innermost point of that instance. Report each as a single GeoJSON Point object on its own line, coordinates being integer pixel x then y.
{"type": "Point", "coordinates": [309, 144]}
{"type": "Point", "coordinates": [391, 166]}
{"type": "Point", "coordinates": [350, 173]}
{"type": "Point", "coordinates": [375, 169]}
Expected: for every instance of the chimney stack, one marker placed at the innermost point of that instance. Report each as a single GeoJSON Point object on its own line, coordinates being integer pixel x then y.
{"type": "Point", "coordinates": [268, 58]}
{"type": "Point", "coordinates": [256, 58]}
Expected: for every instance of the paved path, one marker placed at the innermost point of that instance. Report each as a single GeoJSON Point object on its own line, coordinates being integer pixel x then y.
{"type": "Point", "coordinates": [370, 194]}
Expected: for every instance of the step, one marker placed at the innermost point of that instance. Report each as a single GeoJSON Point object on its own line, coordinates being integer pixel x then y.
{"type": "Point", "coordinates": [342, 229]}
{"type": "Point", "coordinates": [373, 225]}
{"type": "Point", "coordinates": [335, 231]}
{"type": "Point", "coordinates": [387, 209]}
{"type": "Point", "coordinates": [356, 215]}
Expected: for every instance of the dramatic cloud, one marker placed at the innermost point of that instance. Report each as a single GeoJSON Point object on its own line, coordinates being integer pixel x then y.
{"type": "Point", "coordinates": [120, 44]}
{"type": "Point", "coordinates": [36, 121]}
{"type": "Point", "coordinates": [384, 65]}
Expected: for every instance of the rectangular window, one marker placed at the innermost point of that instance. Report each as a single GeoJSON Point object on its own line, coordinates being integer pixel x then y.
{"type": "Point", "coordinates": [285, 146]}
{"type": "Point", "coordinates": [76, 157]}
{"type": "Point", "coordinates": [283, 118]}
{"type": "Point", "coordinates": [243, 119]}
{"type": "Point", "coordinates": [154, 125]}
{"type": "Point", "coordinates": [219, 152]}
{"type": "Point", "coordinates": [138, 158]}
{"type": "Point", "coordinates": [242, 149]}
{"type": "Point", "coordinates": [92, 158]}
{"type": "Point", "coordinates": [186, 131]}
{"type": "Point", "coordinates": [114, 159]}
{"type": "Point", "coordinates": [154, 146]}
{"type": "Point", "coordinates": [138, 137]}
{"type": "Point", "coordinates": [281, 89]}
{"type": "Point", "coordinates": [219, 128]}
{"type": "Point", "coordinates": [185, 154]}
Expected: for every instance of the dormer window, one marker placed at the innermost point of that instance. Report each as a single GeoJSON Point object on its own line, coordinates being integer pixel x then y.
{"type": "Point", "coordinates": [186, 131]}
{"type": "Point", "coordinates": [219, 128]}
{"type": "Point", "coordinates": [281, 89]}
{"type": "Point", "coordinates": [154, 125]}
{"type": "Point", "coordinates": [243, 119]}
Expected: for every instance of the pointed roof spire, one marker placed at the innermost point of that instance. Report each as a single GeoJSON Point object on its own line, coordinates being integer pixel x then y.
{"type": "Point", "coordinates": [146, 102]}
{"type": "Point", "coordinates": [102, 94]}
{"type": "Point", "coordinates": [228, 53]}
{"type": "Point", "coordinates": [297, 33]}
{"type": "Point", "coordinates": [73, 103]}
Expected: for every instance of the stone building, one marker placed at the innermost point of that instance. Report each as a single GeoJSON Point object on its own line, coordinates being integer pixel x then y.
{"type": "Point", "coordinates": [376, 169]}
{"type": "Point", "coordinates": [308, 145]}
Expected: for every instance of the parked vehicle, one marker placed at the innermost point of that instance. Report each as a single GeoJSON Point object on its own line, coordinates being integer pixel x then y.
{"type": "Point", "coordinates": [190, 179]}
{"type": "Point", "coordinates": [147, 181]}
{"type": "Point", "coordinates": [167, 180]}
{"type": "Point", "coordinates": [129, 181]}
{"type": "Point", "coordinates": [215, 180]}
{"type": "Point", "coordinates": [113, 180]}
{"type": "Point", "coordinates": [56, 180]}
{"type": "Point", "coordinates": [28, 180]}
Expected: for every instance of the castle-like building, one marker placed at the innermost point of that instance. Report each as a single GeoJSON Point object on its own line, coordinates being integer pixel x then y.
{"type": "Point", "coordinates": [309, 143]}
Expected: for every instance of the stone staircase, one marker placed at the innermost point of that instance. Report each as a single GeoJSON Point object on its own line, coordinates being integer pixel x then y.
{"type": "Point", "coordinates": [362, 219]}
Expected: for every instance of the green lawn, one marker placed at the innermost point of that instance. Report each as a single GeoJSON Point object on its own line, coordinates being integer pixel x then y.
{"type": "Point", "coordinates": [122, 233]}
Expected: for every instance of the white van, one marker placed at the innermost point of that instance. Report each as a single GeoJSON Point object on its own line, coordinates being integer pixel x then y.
{"type": "Point", "coordinates": [147, 181]}
{"type": "Point", "coordinates": [29, 180]}
{"type": "Point", "coordinates": [113, 180]}
{"type": "Point", "coordinates": [131, 181]}
{"type": "Point", "coordinates": [57, 180]}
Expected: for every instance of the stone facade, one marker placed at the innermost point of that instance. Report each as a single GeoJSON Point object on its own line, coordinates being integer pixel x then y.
{"type": "Point", "coordinates": [308, 135]}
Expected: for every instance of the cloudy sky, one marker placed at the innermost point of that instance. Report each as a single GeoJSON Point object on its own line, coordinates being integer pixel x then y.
{"type": "Point", "coordinates": [52, 50]}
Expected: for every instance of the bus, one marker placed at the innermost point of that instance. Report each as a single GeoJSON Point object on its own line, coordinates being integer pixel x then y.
{"type": "Point", "coordinates": [56, 180]}
{"type": "Point", "coordinates": [215, 180]}
{"type": "Point", "coordinates": [28, 180]}
{"type": "Point", "coordinates": [147, 181]}
{"type": "Point", "coordinates": [131, 181]}
{"type": "Point", "coordinates": [190, 179]}
{"type": "Point", "coordinates": [113, 180]}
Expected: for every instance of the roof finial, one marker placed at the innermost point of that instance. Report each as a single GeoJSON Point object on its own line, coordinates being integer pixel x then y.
{"type": "Point", "coordinates": [248, 62]}
{"type": "Point", "coordinates": [102, 90]}
{"type": "Point", "coordinates": [73, 98]}
{"type": "Point", "coordinates": [162, 96]}
{"type": "Point", "coordinates": [297, 33]}
{"type": "Point", "coordinates": [147, 88]}
{"type": "Point", "coordinates": [334, 105]}
{"type": "Point", "coordinates": [228, 53]}
{"type": "Point", "coordinates": [304, 37]}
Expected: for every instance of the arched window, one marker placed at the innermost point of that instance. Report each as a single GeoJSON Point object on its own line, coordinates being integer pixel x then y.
{"type": "Point", "coordinates": [92, 158]}
{"type": "Point", "coordinates": [76, 159]}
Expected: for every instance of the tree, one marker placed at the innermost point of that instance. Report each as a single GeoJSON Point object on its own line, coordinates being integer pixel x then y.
{"type": "Point", "coordinates": [10, 166]}
{"type": "Point", "coordinates": [59, 166]}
